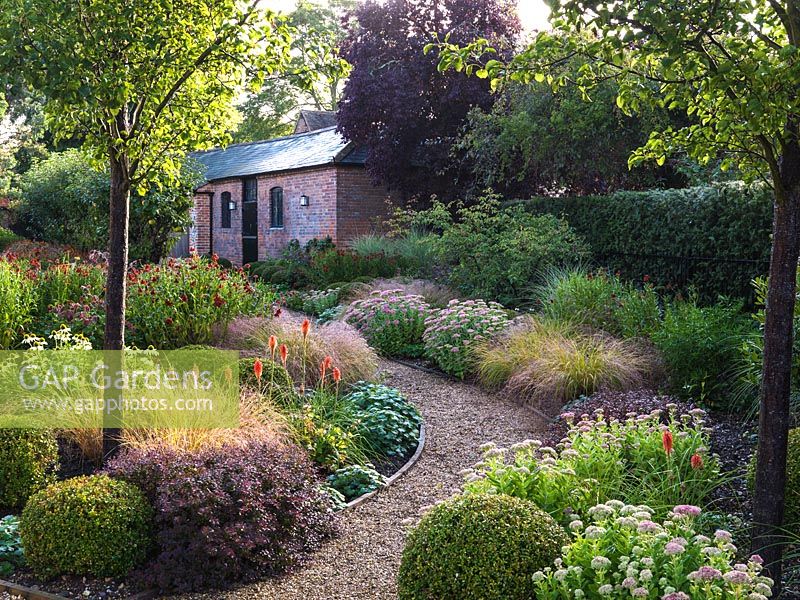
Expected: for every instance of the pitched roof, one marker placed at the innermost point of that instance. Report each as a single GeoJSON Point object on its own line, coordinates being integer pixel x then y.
{"type": "Point", "coordinates": [311, 120]}
{"type": "Point", "coordinates": [298, 151]}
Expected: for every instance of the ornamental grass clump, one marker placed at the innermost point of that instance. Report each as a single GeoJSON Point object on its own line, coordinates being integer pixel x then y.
{"type": "Point", "coordinates": [347, 348]}
{"type": "Point", "coordinates": [549, 363]}
{"type": "Point", "coordinates": [638, 460]}
{"type": "Point", "coordinates": [453, 333]}
{"type": "Point", "coordinates": [623, 552]}
{"type": "Point", "coordinates": [392, 321]}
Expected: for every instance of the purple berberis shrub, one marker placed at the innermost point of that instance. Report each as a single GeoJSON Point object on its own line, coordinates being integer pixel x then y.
{"type": "Point", "coordinates": [452, 332]}
{"type": "Point", "coordinates": [392, 322]}
{"type": "Point", "coordinates": [227, 514]}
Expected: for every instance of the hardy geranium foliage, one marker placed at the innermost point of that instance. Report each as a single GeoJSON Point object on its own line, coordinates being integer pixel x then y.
{"type": "Point", "coordinates": [452, 332]}
{"type": "Point", "coordinates": [395, 102]}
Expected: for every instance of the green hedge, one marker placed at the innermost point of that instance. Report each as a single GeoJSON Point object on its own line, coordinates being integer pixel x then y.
{"type": "Point", "coordinates": [637, 233]}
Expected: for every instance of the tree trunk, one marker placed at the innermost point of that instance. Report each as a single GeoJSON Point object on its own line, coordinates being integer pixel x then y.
{"type": "Point", "coordinates": [114, 339]}
{"type": "Point", "coordinates": [770, 483]}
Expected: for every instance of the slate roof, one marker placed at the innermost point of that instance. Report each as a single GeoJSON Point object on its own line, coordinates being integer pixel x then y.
{"type": "Point", "coordinates": [298, 151]}
{"type": "Point", "coordinates": [316, 119]}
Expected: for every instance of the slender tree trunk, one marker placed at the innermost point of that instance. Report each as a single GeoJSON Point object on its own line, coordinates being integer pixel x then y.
{"type": "Point", "coordinates": [770, 483]}
{"type": "Point", "coordinates": [119, 206]}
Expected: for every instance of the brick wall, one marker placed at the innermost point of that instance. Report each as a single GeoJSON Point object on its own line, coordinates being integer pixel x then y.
{"type": "Point", "coordinates": [359, 209]}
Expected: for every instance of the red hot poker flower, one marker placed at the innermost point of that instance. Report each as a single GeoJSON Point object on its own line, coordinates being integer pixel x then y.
{"type": "Point", "coordinates": [337, 374]}
{"type": "Point", "coordinates": [697, 462]}
{"type": "Point", "coordinates": [305, 327]}
{"type": "Point", "coordinates": [273, 343]}
{"type": "Point", "coordinates": [666, 440]}
{"type": "Point", "coordinates": [284, 351]}
{"type": "Point", "coordinates": [258, 368]}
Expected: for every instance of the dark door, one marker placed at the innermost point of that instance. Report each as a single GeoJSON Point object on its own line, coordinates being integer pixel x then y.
{"type": "Point", "coordinates": [250, 221]}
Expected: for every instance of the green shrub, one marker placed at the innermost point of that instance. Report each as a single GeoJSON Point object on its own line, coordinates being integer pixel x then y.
{"type": "Point", "coordinates": [478, 546]}
{"type": "Point", "coordinates": [7, 238]}
{"type": "Point", "coordinates": [28, 462]}
{"type": "Point", "coordinates": [700, 347]}
{"type": "Point", "coordinates": [599, 300]}
{"type": "Point", "coordinates": [500, 254]}
{"type": "Point", "coordinates": [355, 480]}
{"type": "Point", "coordinates": [65, 200]}
{"type": "Point", "coordinates": [335, 264]}
{"type": "Point", "coordinates": [87, 526]}
{"type": "Point", "coordinates": [637, 233]}
{"type": "Point", "coordinates": [17, 303]}
{"type": "Point", "coordinates": [182, 302]}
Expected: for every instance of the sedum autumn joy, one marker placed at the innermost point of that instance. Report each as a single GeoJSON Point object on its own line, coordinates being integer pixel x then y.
{"type": "Point", "coordinates": [623, 553]}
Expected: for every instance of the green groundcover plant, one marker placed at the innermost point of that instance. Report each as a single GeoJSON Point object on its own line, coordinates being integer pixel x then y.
{"type": "Point", "coordinates": [624, 553]}
{"type": "Point", "coordinates": [637, 460]}
{"type": "Point", "coordinates": [11, 553]}
{"type": "Point", "coordinates": [355, 480]}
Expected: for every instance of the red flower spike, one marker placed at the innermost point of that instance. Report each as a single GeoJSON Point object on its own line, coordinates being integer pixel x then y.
{"type": "Point", "coordinates": [697, 462]}
{"type": "Point", "coordinates": [284, 352]}
{"type": "Point", "coordinates": [666, 440]}
{"type": "Point", "coordinates": [337, 374]}
{"type": "Point", "coordinates": [328, 362]}
{"type": "Point", "coordinates": [258, 368]}
{"type": "Point", "coordinates": [305, 327]}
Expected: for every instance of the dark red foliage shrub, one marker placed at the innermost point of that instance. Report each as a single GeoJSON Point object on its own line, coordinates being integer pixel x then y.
{"type": "Point", "coordinates": [229, 514]}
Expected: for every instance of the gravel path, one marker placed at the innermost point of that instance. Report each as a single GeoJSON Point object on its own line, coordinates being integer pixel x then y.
{"type": "Point", "coordinates": [362, 562]}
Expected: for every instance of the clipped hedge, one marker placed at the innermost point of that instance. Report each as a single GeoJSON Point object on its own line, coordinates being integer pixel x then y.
{"type": "Point", "coordinates": [478, 546]}
{"type": "Point", "coordinates": [28, 463]}
{"type": "Point", "coordinates": [86, 526]}
{"type": "Point", "coordinates": [635, 233]}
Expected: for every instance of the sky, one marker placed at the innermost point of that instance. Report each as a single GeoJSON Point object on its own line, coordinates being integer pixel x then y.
{"type": "Point", "coordinates": [533, 13]}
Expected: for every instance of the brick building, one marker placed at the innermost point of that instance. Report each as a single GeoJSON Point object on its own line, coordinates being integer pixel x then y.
{"type": "Point", "coordinates": [259, 196]}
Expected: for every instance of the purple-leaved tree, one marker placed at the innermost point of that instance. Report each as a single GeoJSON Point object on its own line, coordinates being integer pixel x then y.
{"type": "Point", "coordinates": [397, 104]}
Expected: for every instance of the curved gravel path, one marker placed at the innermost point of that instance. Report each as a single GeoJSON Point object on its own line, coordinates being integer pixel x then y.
{"type": "Point", "coordinates": [362, 561]}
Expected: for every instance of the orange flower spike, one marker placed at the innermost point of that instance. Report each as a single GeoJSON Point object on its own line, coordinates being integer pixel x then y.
{"type": "Point", "coordinates": [666, 440]}
{"type": "Point", "coordinates": [273, 343]}
{"type": "Point", "coordinates": [337, 375]}
{"type": "Point", "coordinates": [328, 362]}
{"type": "Point", "coordinates": [305, 327]}
{"type": "Point", "coordinates": [258, 368]}
{"type": "Point", "coordinates": [323, 367]}
{"type": "Point", "coordinates": [284, 352]}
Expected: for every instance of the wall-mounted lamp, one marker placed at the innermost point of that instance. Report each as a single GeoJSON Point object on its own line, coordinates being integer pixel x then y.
{"type": "Point", "coordinates": [231, 205]}
{"type": "Point", "coordinates": [303, 200]}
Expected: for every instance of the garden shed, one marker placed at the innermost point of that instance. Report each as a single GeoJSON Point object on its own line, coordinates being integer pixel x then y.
{"type": "Point", "coordinates": [259, 196]}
